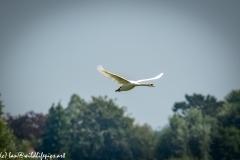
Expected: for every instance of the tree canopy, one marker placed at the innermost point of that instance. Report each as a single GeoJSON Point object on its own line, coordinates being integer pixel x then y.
{"type": "Point", "coordinates": [201, 128]}
{"type": "Point", "coordinates": [8, 141]}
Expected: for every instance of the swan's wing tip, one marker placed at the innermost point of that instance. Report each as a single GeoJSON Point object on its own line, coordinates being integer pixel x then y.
{"type": "Point", "coordinates": [99, 67]}
{"type": "Point", "coordinates": [160, 75]}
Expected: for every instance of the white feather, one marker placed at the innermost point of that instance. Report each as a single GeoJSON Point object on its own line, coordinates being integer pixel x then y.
{"type": "Point", "coordinates": [126, 84]}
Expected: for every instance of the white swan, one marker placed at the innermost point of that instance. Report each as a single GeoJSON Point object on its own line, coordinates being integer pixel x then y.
{"type": "Point", "coordinates": [126, 84]}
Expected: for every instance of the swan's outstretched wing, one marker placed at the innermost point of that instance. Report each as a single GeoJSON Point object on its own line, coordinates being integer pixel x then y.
{"type": "Point", "coordinates": [160, 75]}
{"type": "Point", "coordinates": [112, 76]}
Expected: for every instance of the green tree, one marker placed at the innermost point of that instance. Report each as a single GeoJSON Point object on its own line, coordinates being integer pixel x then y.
{"type": "Point", "coordinates": [187, 136]}
{"type": "Point", "coordinates": [114, 127]}
{"type": "Point", "coordinates": [8, 142]}
{"type": "Point", "coordinates": [230, 115]}
{"type": "Point", "coordinates": [233, 97]}
{"type": "Point", "coordinates": [208, 104]}
{"type": "Point", "coordinates": [226, 143]}
{"type": "Point", "coordinates": [200, 128]}
{"type": "Point", "coordinates": [1, 107]}
{"type": "Point", "coordinates": [142, 142]}
{"type": "Point", "coordinates": [56, 134]}
{"type": "Point", "coordinates": [165, 148]}
{"type": "Point", "coordinates": [100, 130]}
{"type": "Point", "coordinates": [6, 137]}
{"type": "Point", "coordinates": [86, 138]}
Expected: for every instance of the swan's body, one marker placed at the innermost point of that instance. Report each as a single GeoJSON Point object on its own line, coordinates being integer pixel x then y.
{"type": "Point", "coordinates": [126, 84]}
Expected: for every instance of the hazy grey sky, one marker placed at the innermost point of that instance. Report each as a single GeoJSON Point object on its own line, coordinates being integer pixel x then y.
{"type": "Point", "coordinates": [49, 50]}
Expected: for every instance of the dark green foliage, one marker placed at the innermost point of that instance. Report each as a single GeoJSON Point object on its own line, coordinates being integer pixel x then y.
{"type": "Point", "coordinates": [6, 136]}
{"type": "Point", "coordinates": [226, 144]}
{"type": "Point", "coordinates": [96, 130]}
{"type": "Point", "coordinates": [187, 135]}
{"type": "Point", "coordinates": [209, 104]}
{"type": "Point", "coordinates": [142, 142]}
{"type": "Point", "coordinates": [8, 142]}
{"type": "Point", "coordinates": [99, 130]}
{"type": "Point", "coordinates": [86, 137]}
{"type": "Point", "coordinates": [165, 148]}
{"type": "Point", "coordinates": [230, 115]}
{"type": "Point", "coordinates": [56, 136]}
{"type": "Point", "coordinates": [113, 126]}
{"type": "Point", "coordinates": [233, 97]}
{"type": "Point", "coordinates": [206, 129]}
{"type": "Point", "coordinates": [1, 107]}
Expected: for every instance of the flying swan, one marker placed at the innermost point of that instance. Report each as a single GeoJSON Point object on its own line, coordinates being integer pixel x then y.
{"type": "Point", "coordinates": [126, 84]}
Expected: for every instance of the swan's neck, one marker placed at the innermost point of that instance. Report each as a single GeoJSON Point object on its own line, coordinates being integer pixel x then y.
{"type": "Point", "coordinates": [144, 84]}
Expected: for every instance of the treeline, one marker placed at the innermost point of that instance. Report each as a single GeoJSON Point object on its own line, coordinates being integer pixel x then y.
{"type": "Point", "coordinates": [201, 128]}
{"type": "Point", "coordinates": [8, 142]}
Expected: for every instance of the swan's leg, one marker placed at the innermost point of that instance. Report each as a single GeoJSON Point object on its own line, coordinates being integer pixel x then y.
{"type": "Point", "coordinates": [118, 90]}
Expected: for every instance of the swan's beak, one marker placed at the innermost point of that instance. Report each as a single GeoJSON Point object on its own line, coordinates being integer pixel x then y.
{"type": "Point", "coordinates": [152, 85]}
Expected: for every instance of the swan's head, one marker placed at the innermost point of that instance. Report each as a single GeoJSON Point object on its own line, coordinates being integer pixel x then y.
{"type": "Point", "coordinates": [151, 85]}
